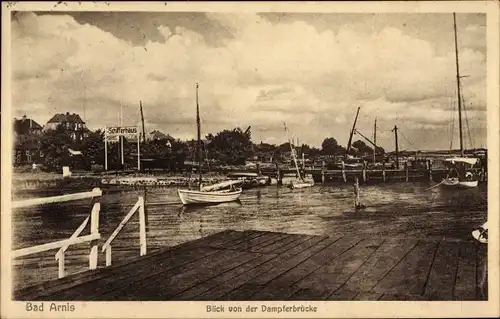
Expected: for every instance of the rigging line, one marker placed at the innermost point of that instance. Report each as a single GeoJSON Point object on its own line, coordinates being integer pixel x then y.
{"type": "Point", "coordinates": [467, 122]}
{"type": "Point", "coordinates": [399, 130]}
{"type": "Point", "coordinates": [452, 124]}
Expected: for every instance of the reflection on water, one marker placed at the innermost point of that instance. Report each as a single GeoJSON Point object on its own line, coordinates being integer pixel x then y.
{"type": "Point", "coordinates": [402, 209]}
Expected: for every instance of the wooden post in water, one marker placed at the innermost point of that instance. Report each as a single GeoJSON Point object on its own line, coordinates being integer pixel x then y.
{"type": "Point", "coordinates": [406, 170]}
{"type": "Point", "coordinates": [278, 175]}
{"type": "Point", "coordinates": [343, 172]}
{"type": "Point", "coordinates": [429, 163]}
{"type": "Point", "coordinates": [356, 193]}
{"type": "Point", "coordinates": [364, 171]}
{"type": "Point", "coordinates": [383, 170]}
{"type": "Point", "coordinates": [323, 172]}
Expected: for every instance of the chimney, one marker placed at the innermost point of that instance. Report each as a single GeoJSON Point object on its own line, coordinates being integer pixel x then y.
{"type": "Point", "coordinates": [24, 116]}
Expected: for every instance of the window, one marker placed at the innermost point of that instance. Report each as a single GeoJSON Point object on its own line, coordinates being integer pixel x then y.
{"type": "Point", "coordinates": [28, 156]}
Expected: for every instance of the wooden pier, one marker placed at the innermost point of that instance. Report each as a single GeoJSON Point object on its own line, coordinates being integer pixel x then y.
{"type": "Point", "coordinates": [258, 265]}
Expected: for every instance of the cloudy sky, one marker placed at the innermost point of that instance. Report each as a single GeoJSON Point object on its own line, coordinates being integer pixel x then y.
{"type": "Point", "coordinates": [310, 70]}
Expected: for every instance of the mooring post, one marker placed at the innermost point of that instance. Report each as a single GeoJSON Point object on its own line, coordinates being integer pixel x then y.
{"type": "Point", "coordinates": [383, 170]}
{"type": "Point", "coordinates": [356, 193]}
{"type": "Point", "coordinates": [406, 170]}
{"type": "Point", "coordinates": [429, 163]}
{"type": "Point", "coordinates": [343, 172]}
{"type": "Point", "coordinates": [364, 171]}
{"type": "Point", "coordinates": [278, 175]}
{"type": "Point", "coordinates": [323, 172]}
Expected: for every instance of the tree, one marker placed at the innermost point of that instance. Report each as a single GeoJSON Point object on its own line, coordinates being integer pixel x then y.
{"type": "Point", "coordinates": [362, 148]}
{"type": "Point", "coordinates": [330, 146]}
{"type": "Point", "coordinates": [54, 145]}
{"type": "Point", "coordinates": [93, 147]}
{"type": "Point", "coordinates": [230, 146]}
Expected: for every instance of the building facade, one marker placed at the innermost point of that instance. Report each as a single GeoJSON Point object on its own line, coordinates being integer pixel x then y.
{"type": "Point", "coordinates": [26, 135]}
{"type": "Point", "coordinates": [73, 123]}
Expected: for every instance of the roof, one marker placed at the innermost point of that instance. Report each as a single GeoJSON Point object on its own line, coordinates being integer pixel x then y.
{"type": "Point", "coordinates": [70, 118]}
{"type": "Point", "coordinates": [158, 135]}
{"type": "Point", "coordinates": [25, 125]}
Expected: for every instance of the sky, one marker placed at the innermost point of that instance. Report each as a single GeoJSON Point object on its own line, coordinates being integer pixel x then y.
{"type": "Point", "coordinates": [310, 70]}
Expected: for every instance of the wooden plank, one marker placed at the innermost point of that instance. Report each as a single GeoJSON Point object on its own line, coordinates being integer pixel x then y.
{"type": "Point", "coordinates": [410, 274]}
{"type": "Point", "coordinates": [225, 237]}
{"type": "Point", "coordinates": [244, 236]}
{"type": "Point", "coordinates": [368, 296]}
{"type": "Point", "coordinates": [342, 296]}
{"type": "Point", "coordinates": [300, 266]}
{"type": "Point", "coordinates": [293, 261]}
{"type": "Point", "coordinates": [305, 294]}
{"type": "Point", "coordinates": [127, 276]}
{"type": "Point", "coordinates": [443, 272]}
{"type": "Point", "coordinates": [274, 291]}
{"type": "Point", "coordinates": [465, 284]}
{"type": "Point", "coordinates": [158, 283]}
{"type": "Point", "coordinates": [165, 287]}
{"type": "Point", "coordinates": [379, 264]}
{"type": "Point", "coordinates": [206, 286]}
{"type": "Point", "coordinates": [287, 240]}
{"type": "Point", "coordinates": [242, 293]}
{"type": "Point", "coordinates": [228, 286]}
{"type": "Point", "coordinates": [332, 276]}
{"type": "Point", "coordinates": [254, 242]}
{"type": "Point", "coordinates": [482, 272]}
{"type": "Point", "coordinates": [281, 249]}
{"type": "Point", "coordinates": [256, 248]}
{"type": "Point", "coordinates": [336, 248]}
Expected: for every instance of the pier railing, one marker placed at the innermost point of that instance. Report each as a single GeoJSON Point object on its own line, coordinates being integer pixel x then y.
{"type": "Point", "coordinates": [63, 245]}
{"type": "Point", "coordinates": [140, 207]}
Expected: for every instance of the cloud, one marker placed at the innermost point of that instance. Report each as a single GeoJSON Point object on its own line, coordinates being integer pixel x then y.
{"type": "Point", "coordinates": [264, 73]}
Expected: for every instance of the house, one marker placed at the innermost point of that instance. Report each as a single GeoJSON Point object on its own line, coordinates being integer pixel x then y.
{"type": "Point", "coordinates": [26, 132]}
{"type": "Point", "coordinates": [73, 122]}
{"type": "Point", "coordinates": [157, 135]}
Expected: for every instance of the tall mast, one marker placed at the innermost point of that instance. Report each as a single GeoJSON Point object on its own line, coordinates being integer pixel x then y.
{"type": "Point", "coordinates": [198, 146]}
{"type": "Point", "coordinates": [375, 142]}
{"type": "Point", "coordinates": [352, 132]}
{"type": "Point", "coordinates": [458, 87]}
{"type": "Point", "coordinates": [395, 130]}
{"type": "Point", "coordinates": [142, 120]}
{"type": "Point", "coordinates": [292, 149]}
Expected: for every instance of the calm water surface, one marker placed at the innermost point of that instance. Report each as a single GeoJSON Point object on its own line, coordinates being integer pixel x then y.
{"type": "Point", "coordinates": [393, 210]}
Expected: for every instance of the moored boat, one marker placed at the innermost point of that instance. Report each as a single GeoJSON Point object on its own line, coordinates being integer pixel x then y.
{"type": "Point", "coordinates": [222, 192]}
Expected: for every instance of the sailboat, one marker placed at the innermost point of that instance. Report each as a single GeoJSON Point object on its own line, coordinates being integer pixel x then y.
{"type": "Point", "coordinates": [461, 174]}
{"type": "Point", "coordinates": [223, 192]}
{"type": "Point", "coordinates": [301, 181]}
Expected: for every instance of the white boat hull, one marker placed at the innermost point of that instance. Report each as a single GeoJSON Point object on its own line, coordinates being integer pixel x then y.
{"type": "Point", "coordinates": [454, 182]}
{"type": "Point", "coordinates": [301, 184]}
{"type": "Point", "coordinates": [189, 197]}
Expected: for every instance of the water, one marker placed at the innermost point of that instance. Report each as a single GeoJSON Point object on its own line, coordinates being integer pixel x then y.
{"type": "Point", "coordinates": [393, 210]}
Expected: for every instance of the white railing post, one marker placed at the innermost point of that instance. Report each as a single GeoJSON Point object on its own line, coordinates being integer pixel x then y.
{"type": "Point", "coordinates": [94, 229]}
{"type": "Point", "coordinates": [108, 255]}
{"type": "Point", "coordinates": [61, 273]}
{"type": "Point", "coordinates": [61, 252]}
{"type": "Point", "coordinates": [142, 227]}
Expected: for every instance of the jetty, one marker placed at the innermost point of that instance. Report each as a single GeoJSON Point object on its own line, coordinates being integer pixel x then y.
{"type": "Point", "coordinates": [262, 265]}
